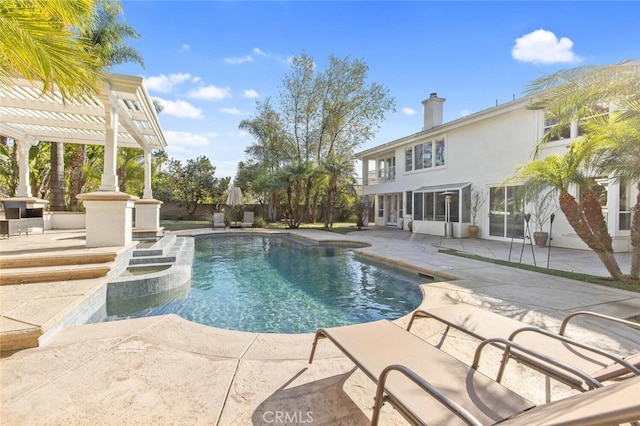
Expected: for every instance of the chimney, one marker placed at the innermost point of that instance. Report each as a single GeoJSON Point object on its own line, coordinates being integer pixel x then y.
{"type": "Point", "coordinates": [432, 111]}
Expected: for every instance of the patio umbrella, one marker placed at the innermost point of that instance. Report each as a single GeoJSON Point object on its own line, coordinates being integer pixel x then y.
{"type": "Point", "coordinates": [235, 197]}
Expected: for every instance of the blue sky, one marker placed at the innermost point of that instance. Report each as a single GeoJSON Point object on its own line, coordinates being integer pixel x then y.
{"type": "Point", "coordinates": [209, 61]}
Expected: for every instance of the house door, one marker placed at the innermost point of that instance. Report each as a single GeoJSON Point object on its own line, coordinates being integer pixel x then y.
{"type": "Point", "coordinates": [506, 218]}
{"type": "Point", "coordinates": [391, 203]}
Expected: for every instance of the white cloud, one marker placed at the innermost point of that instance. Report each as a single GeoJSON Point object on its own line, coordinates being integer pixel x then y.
{"type": "Point", "coordinates": [210, 92]}
{"type": "Point", "coordinates": [259, 52]}
{"type": "Point", "coordinates": [238, 60]}
{"type": "Point", "coordinates": [250, 93]}
{"type": "Point", "coordinates": [464, 113]}
{"type": "Point", "coordinates": [165, 83]}
{"type": "Point", "coordinates": [179, 143]}
{"type": "Point", "coordinates": [185, 48]}
{"type": "Point", "coordinates": [233, 111]}
{"type": "Point", "coordinates": [180, 108]}
{"type": "Point", "coordinates": [543, 47]}
{"type": "Point", "coordinates": [408, 111]}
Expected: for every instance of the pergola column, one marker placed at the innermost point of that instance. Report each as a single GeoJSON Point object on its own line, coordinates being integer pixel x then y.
{"type": "Point", "coordinates": [147, 194]}
{"type": "Point", "coordinates": [24, 187]}
{"type": "Point", "coordinates": [109, 180]}
{"type": "Point", "coordinates": [147, 210]}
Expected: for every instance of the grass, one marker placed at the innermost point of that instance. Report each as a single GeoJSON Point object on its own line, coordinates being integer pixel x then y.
{"type": "Point", "coordinates": [631, 285]}
{"type": "Point", "coordinates": [179, 225]}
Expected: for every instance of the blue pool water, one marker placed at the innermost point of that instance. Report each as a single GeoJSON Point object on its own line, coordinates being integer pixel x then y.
{"type": "Point", "coordinates": [276, 285]}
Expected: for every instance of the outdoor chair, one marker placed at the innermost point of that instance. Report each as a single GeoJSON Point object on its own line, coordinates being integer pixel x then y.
{"type": "Point", "coordinates": [30, 218]}
{"type": "Point", "coordinates": [407, 370]}
{"type": "Point", "coordinates": [483, 325]}
{"type": "Point", "coordinates": [218, 221]}
{"type": "Point", "coordinates": [247, 221]}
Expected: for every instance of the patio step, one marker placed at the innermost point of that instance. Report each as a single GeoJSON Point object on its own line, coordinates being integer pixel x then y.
{"type": "Point", "coordinates": [62, 272]}
{"type": "Point", "coordinates": [55, 259]}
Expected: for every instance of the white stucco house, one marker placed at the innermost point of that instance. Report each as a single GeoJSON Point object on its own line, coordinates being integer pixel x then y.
{"type": "Point", "coordinates": [424, 181]}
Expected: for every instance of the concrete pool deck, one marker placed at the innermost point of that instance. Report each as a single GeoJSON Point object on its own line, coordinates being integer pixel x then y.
{"type": "Point", "coordinates": [166, 370]}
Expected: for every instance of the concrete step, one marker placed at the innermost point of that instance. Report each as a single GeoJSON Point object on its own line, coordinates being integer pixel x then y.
{"type": "Point", "coordinates": [151, 259]}
{"type": "Point", "coordinates": [55, 259]}
{"type": "Point", "coordinates": [43, 274]}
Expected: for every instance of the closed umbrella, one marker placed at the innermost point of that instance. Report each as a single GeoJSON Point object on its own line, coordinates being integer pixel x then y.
{"type": "Point", "coordinates": [235, 197]}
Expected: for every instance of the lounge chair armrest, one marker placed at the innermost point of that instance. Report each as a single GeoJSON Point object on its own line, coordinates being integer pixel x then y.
{"type": "Point", "coordinates": [508, 345]}
{"type": "Point", "coordinates": [565, 322]}
{"type": "Point", "coordinates": [618, 360]}
{"type": "Point", "coordinates": [451, 405]}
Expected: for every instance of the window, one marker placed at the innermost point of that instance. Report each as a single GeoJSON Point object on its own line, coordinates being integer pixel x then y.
{"type": "Point", "coordinates": [418, 157]}
{"type": "Point", "coordinates": [624, 209]}
{"type": "Point", "coordinates": [409, 198]}
{"type": "Point", "coordinates": [417, 205]}
{"type": "Point", "coordinates": [380, 206]}
{"type": "Point", "coordinates": [551, 126]}
{"type": "Point", "coordinates": [428, 203]}
{"type": "Point", "coordinates": [408, 159]}
{"type": "Point", "coordinates": [439, 153]}
{"type": "Point", "coordinates": [426, 155]}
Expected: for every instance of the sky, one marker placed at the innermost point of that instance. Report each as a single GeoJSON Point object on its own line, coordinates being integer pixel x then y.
{"type": "Point", "coordinates": [210, 61]}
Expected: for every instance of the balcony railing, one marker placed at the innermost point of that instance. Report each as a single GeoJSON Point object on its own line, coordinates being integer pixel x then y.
{"type": "Point", "coordinates": [381, 176]}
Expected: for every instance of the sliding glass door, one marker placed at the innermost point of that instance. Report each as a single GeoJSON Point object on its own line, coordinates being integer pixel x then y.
{"type": "Point", "coordinates": [506, 218]}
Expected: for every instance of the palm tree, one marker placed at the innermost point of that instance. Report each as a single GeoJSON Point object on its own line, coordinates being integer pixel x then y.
{"type": "Point", "coordinates": [39, 42]}
{"type": "Point", "coordinates": [585, 216]}
{"type": "Point", "coordinates": [574, 94]}
{"type": "Point", "coordinates": [339, 169]}
{"type": "Point", "coordinates": [620, 140]}
{"type": "Point", "coordinates": [106, 36]}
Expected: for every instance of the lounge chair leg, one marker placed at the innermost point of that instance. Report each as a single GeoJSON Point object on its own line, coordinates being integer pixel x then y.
{"type": "Point", "coordinates": [319, 335]}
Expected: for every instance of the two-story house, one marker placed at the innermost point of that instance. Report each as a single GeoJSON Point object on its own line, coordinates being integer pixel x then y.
{"type": "Point", "coordinates": [423, 182]}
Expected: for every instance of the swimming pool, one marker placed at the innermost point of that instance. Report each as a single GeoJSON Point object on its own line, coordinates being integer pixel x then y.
{"type": "Point", "coordinates": [273, 284]}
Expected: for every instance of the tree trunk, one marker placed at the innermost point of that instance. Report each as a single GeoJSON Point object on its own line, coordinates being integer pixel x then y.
{"type": "Point", "coordinates": [635, 239]}
{"type": "Point", "coordinates": [576, 219]}
{"type": "Point", "coordinates": [76, 175]}
{"type": "Point", "coordinates": [56, 181]}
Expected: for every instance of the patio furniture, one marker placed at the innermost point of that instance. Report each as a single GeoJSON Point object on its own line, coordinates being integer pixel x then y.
{"type": "Point", "coordinates": [247, 221]}
{"type": "Point", "coordinates": [483, 325]}
{"type": "Point", "coordinates": [31, 218]}
{"type": "Point", "coordinates": [218, 221]}
{"type": "Point", "coordinates": [406, 368]}
{"type": "Point", "coordinates": [12, 224]}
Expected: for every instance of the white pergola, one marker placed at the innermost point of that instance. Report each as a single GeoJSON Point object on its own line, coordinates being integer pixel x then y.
{"type": "Point", "coordinates": [122, 114]}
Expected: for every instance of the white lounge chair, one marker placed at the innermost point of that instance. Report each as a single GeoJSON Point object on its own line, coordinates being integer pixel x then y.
{"type": "Point", "coordinates": [407, 369]}
{"type": "Point", "coordinates": [247, 221]}
{"type": "Point", "coordinates": [218, 221]}
{"type": "Point", "coordinates": [485, 325]}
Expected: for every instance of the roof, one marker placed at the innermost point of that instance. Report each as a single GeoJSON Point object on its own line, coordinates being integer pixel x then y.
{"type": "Point", "coordinates": [445, 127]}
{"type": "Point", "coordinates": [27, 114]}
{"type": "Point", "coordinates": [444, 187]}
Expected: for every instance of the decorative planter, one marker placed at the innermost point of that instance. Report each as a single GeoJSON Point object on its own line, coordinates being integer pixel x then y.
{"type": "Point", "coordinates": [541, 238]}
{"type": "Point", "coordinates": [410, 226]}
{"type": "Point", "coordinates": [473, 231]}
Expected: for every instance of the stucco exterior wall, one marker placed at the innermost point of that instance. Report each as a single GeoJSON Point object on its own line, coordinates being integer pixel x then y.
{"type": "Point", "coordinates": [483, 149]}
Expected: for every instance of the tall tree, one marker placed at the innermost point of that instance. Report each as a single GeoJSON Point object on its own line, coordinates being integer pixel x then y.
{"type": "Point", "coordinates": [326, 112]}
{"type": "Point", "coordinates": [620, 157]}
{"type": "Point", "coordinates": [107, 36]}
{"type": "Point", "coordinates": [576, 94]}
{"type": "Point", "coordinates": [56, 181]}
{"type": "Point", "coordinates": [40, 42]}
{"type": "Point", "coordinates": [585, 215]}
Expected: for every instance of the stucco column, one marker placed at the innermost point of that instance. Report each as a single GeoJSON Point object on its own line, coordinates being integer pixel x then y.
{"type": "Point", "coordinates": [147, 194]}
{"type": "Point", "coordinates": [109, 218]}
{"type": "Point", "coordinates": [109, 181]}
{"type": "Point", "coordinates": [24, 187]}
